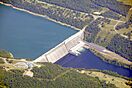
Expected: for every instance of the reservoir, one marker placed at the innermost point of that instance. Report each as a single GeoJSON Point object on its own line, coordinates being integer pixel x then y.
{"type": "Point", "coordinates": [88, 60]}
{"type": "Point", "coordinates": [29, 36]}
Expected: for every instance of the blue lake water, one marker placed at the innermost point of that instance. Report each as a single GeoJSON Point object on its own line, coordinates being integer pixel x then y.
{"type": "Point", "coordinates": [90, 61]}
{"type": "Point", "coordinates": [29, 36]}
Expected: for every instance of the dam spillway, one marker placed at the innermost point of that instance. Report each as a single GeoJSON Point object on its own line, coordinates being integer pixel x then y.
{"type": "Point", "coordinates": [62, 49]}
{"type": "Point", "coordinates": [88, 60]}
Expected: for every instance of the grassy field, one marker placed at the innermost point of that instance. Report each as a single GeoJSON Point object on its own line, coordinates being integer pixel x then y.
{"type": "Point", "coordinates": [118, 82]}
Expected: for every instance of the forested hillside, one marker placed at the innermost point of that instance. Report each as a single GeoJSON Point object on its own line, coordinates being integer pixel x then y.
{"type": "Point", "coordinates": [122, 46]}
{"type": "Point", "coordinates": [50, 76]}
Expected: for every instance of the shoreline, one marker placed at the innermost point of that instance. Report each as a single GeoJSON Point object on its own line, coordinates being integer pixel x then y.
{"type": "Point", "coordinates": [50, 19]}
{"type": "Point", "coordinates": [111, 61]}
{"type": "Point", "coordinates": [43, 16]}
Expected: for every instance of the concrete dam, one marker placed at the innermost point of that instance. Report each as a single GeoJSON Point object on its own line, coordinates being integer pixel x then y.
{"type": "Point", "coordinates": [63, 48]}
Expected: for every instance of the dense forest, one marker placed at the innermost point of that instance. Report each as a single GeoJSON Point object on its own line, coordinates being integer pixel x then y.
{"type": "Point", "coordinates": [84, 5]}
{"type": "Point", "coordinates": [93, 29]}
{"type": "Point", "coordinates": [122, 46]}
{"type": "Point", "coordinates": [50, 76]}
